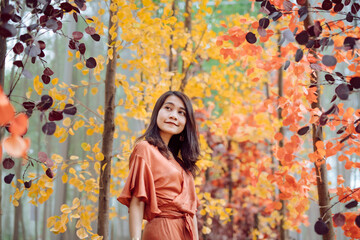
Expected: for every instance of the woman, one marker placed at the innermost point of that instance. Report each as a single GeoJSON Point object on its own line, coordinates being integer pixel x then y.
{"type": "Point", "coordinates": [160, 186]}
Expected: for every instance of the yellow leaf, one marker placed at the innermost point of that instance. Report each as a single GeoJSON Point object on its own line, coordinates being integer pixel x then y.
{"type": "Point", "coordinates": [85, 71]}
{"type": "Point", "coordinates": [85, 91]}
{"type": "Point", "coordinates": [101, 11]}
{"type": "Point", "coordinates": [57, 158]}
{"type": "Point", "coordinates": [72, 171]}
{"type": "Point", "coordinates": [94, 90]}
{"type": "Point", "coordinates": [90, 131]}
{"type": "Point", "coordinates": [99, 156]}
{"type": "Point", "coordinates": [96, 237]}
{"type": "Point", "coordinates": [85, 165]}
{"type": "Point", "coordinates": [55, 81]}
{"type": "Point", "coordinates": [206, 230]}
{"type": "Point", "coordinates": [70, 53]}
{"type": "Point", "coordinates": [64, 178]}
{"type": "Point", "coordinates": [104, 166]}
{"type": "Point", "coordinates": [74, 157]}
{"type": "Point", "coordinates": [97, 167]}
{"type": "Point", "coordinates": [96, 148]}
{"type": "Point", "coordinates": [28, 93]}
{"type": "Point", "coordinates": [38, 86]}
{"type": "Point", "coordinates": [76, 203]}
{"type": "Point", "coordinates": [85, 83]}
{"type": "Point", "coordinates": [85, 146]}
{"type": "Point", "coordinates": [49, 184]}
{"type": "Point", "coordinates": [77, 54]}
{"type": "Point", "coordinates": [51, 221]}
{"type": "Point", "coordinates": [67, 122]}
{"type": "Point", "coordinates": [79, 65]}
{"type": "Point", "coordinates": [65, 209]}
{"type": "Point", "coordinates": [71, 132]}
{"type": "Point", "coordinates": [146, 2]}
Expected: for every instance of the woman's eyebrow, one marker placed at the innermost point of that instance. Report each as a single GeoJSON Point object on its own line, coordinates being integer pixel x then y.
{"type": "Point", "coordinates": [174, 105]}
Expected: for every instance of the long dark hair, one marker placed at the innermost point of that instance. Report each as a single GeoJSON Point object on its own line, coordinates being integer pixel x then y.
{"type": "Point", "coordinates": [186, 142]}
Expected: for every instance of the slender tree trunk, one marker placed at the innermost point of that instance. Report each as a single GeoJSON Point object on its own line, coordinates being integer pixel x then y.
{"type": "Point", "coordinates": [321, 171]}
{"type": "Point", "coordinates": [230, 186]}
{"type": "Point", "coordinates": [171, 66]}
{"type": "Point", "coordinates": [16, 233]}
{"type": "Point", "coordinates": [44, 227]}
{"type": "Point", "coordinates": [284, 234]}
{"type": "Point", "coordinates": [3, 50]}
{"type": "Point", "coordinates": [187, 25]}
{"type": "Point", "coordinates": [107, 141]}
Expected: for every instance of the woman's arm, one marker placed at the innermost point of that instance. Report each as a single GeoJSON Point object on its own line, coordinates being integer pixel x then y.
{"type": "Point", "coordinates": [136, 213]}
{"type": "Point", "coordinates": [196, 228]}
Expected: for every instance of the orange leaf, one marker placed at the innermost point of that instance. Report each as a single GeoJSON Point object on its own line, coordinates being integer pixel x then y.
{"type": "Point", "coordinates": [278, 136]}
{"type": "Point", "coordinates": [348, 165]}
{"type": "Point", "coordinates": [7, 111]}
{"type": "Point", "coordinates": [340, 179]}
{"type": "Point", "coordinates": [19, 124]}
{"type": "Point", "coordinates": [15, 145]}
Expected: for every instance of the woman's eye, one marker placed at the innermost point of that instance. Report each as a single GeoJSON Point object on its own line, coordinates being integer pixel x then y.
{"type": "Point", "coordinates": [182, 113]}
{"type": "Point", "coordinates": [167, 107]}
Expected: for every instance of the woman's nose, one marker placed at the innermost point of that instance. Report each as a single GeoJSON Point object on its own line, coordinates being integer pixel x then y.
{"type": "Point", "coordinates": [173, 115]}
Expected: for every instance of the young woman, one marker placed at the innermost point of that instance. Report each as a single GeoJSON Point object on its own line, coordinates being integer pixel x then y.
{"type": "Point", "coordinates": [160, 186]}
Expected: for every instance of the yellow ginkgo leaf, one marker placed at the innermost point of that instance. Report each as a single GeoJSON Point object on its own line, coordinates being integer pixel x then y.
{"type": "Point", "coordinates": [99, 156]}
{"type": "Point", "coordinates": [81, 233]}
{"type": "Point", "coordinates": [94, 90]}
{"type": "Point", "coordinates": [65, 209]}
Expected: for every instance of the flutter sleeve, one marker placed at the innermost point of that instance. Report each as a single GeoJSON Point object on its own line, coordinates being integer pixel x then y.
{"type": "Point", "coordinates": [140, 184]}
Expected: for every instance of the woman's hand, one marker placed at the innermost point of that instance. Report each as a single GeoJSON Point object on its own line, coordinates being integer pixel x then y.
{"type": "Point", "coordinates": [136, 213]}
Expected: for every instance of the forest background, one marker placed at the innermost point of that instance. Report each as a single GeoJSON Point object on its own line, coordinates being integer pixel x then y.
{"type": "Point", "coordinates": [275, 90]}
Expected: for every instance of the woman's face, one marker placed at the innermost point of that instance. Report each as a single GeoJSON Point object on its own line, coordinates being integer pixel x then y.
{"type": "Point", "coordinates": [171, 118]}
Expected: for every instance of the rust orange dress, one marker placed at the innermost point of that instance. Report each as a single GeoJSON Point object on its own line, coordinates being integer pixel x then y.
{"type": "Point", "coordinates": [167, 190]}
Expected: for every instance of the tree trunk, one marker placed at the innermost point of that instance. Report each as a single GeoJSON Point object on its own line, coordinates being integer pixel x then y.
{"type": "Point", "coordinates": [107, 141]}
{"type": "Point", "coordinates": [187, 25]}
{"type": "Point", "coordinates": [16, 233]}
{"type": "Point", "coordinates": [284, 234]}
{"type": "Point", "coordinates": [3, 50]}
{"type": "Point", "coordinates": [171, 66]}
{"type": "Point", "coordinates": [321, 171]}
{"type": "Point", "coordinates": [230, 186]}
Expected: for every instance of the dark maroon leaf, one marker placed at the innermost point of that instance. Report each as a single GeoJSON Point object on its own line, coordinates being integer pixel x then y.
{"type": "Point", "coordinates": [28, 105]}
{"type": "Point", "coordinates": [349, 17]}
{"type": "Point", "coordinates": [76, 9]}
{"type": "Point", "coordinates": [26, 38]}
{"type": "Point", "coordinates": [339, 219]}
{"type": "Point", "coordinates": [80, 3]}
{"type": "Point", "coordinates": [357, 128]}
{"type": "Point", "coordinates": [287, 64]}
{"type": "Point", "coordinates": [302, 38]}
{"type": "Point", "coordinates": [75, 16]}
{"type": "Point", "coordinates": [347, 2]}
{"type": "Point", "coordinates": [329, 60]}
{"type": "Point", "coordinates": [67, 7]}
{"type": "Point", "coordinates": [321, 228]}
{"type": "Point", "coordinates": [42, 54]}
{"type": "Point", "coordinates": [311, 31]}
{"type": "Point", "coordinates": [264, 22]}
{"type": "Point", "coordinates": [333, 98]}
{"type": "Point", "coordinates": [349, 43]}
{"type": "Point", "coordinates": [338, 7]}
{"type": "Point", "coordinates": [357, 221]}
{"type": "Point", "coordinates": [18, 48]}
{"type": "Point", "coordinates": [27, 184]}
{"type": "Point", "coordinates": [326, 5]}
{"type": "Point", "coordinates": [276, 15]}
{"type": "Point", "coordinates": [7, 30]}
{"type": "Point", "coordinates": [301, 2]}
{"type": "Point", "coordinates": [49, 173]}
{"type": "Point", "coordinates": [355, 8]}
{"type": "Point", "coordinates": [303, 130]}
{"type": "Point", "coordinates": [45, 104]}
{"type": "Point", "coordinates": [82, 48]}
{"type": "Point", "coordinates": [329, 78]}
{"type": "Point", "coordinates": [339, 74]}
{"type": "Point", "coordinates": [8, 178]}
{"type": "Point", "coordinates": [70, 109]}
{"type": "Point", "coordinates": [45, 78]}
{"type": "Point", "coordinates": [49, 128]}
{"type": "Point", "coordinates": [303, 13]}
{"type": "Point", "coordinates": [48, 71]}
{"type": "Point", "coordinates": [310, 43]}
{"type": "Point", "coordinates": [341, 130]}
{"type": "Point", "coordinates": [323, 119]}
{"type": "Point", "coordinates": [43, 20]}
{"type": "Point", "coordinates": [55, 115]}
{"type": "Point", "coordinates": [8, 163]}
{"type": "Point", "coordinates": [18, 63]}
{"type": "Point", "coordinates": [351, 204]}
{"type": "Point", "coordinates": [355, 82]}
{"type": "Point", "coordinates": [96, 37]}
{"type": "Point", "coordinates": [59, 23]}
{"type": "Point", "coordinates": [333, 109]}
{"type": "Point", "coordinates": [299, 55]}
{"type": "Point", "coordinates": [77, 35]}
{"type": "Point", "coordinates": [49, 10]}
{"type": "Point", "coordinates": [33, 60]}
{"type": "Point", "coordinates": [16, 18]}
{"type": "Point", "coordinates": [42, 45]}
{"type": "Point", "coordinates": [90, 30]}
{"type": "Point", "coordinates": [317, 28]}
{"type": "Point", "coordinates": [58, 13]}
{"type": "Point", "coordinates": [31, 3]}
{"type": "Point", "coordinates": [7, 13]}
{"type": "Point", "coordinates": [91, 62]}
{"type": "Point", "coordinates": [345, 138]}
{"type": "Point", "coordinates": [251, 38]}
{"type": "Point", "coordinates": [342, 91]}
{"type": "Point", "coordinates": [72, 44]}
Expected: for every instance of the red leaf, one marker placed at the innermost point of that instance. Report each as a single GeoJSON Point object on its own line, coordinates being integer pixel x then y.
{"type": "Point", "coordinates": [77, 35]}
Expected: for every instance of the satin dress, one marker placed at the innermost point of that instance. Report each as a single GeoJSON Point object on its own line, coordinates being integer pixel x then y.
{"type": "Point", "coordinates": [167, 190]}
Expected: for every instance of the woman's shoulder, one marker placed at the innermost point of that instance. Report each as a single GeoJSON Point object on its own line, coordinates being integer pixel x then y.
{"type": "Point", "coordinates": [143, 147]}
